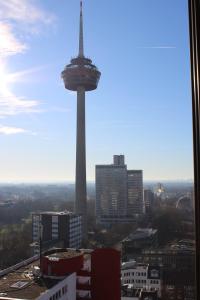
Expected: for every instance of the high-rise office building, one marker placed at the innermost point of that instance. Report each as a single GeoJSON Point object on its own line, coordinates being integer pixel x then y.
{"type": "Point", "coordinates": [148, 200]}
{"type": "Point", "coordinates": [119, 192]}
{"type": "Point", "coordinates": [135, 192]}
{"type": "Point", "coordinates": [57, 228]}
{"type": "Point", "coordinates": [111, 191]}
{"type": "Point", "coordinates": [81, 75]}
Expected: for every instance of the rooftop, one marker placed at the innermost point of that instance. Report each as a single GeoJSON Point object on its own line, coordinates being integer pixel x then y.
{"type": "Point", "coordinates": [55, 213]}
{"type": "Point", "coordinates": [21, 284]}
{"type": "Point", "coordinates": [133, 265]}
{"type": "Point", "coordinates": [185, 246]}
{"type": "Point", "coordinates": [111, 166]}
{"type": "Point", "coordinates": [128, 292]}
{"type": "Point", "coordinates": [22, 281]}
{"type": "Point", "coordinates": [63, 254]}
{"type": "Point", "coordinates": [141, 233]}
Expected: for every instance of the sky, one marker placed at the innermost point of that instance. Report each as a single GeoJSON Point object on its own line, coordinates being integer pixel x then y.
{"type": "Point", "coordinates": [142, 107]}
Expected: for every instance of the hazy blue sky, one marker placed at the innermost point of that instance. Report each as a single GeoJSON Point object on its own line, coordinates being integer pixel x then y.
{"type": "Point", "coordinates": [142, 107]}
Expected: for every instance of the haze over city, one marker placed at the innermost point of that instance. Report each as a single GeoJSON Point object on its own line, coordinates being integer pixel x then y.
{"type": "Point", "coordinates": [97, 196]}
{"type": "Point", "coordinates": [142, 107]}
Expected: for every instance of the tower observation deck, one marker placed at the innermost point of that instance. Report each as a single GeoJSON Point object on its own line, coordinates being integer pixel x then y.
{"type": "Point", "coordinates": [81, 76]}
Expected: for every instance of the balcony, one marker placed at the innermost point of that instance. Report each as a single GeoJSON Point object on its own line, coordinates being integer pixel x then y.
{"type": "Point", "coordinates": [83, 283]}
{"type": "Point", "coordinates": [82, 295]}
{"type": "Point", "coordinates": [83, 286]}
{"type": "Point", "coordinates": [85, 272]}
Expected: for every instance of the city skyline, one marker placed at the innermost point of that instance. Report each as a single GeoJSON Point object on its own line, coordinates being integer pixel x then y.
{"type": "Point", "coordinates": [145, 115]}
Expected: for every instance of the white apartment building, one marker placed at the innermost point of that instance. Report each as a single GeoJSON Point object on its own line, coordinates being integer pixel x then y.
{"type": "Point", "coordinates": [141, 276]}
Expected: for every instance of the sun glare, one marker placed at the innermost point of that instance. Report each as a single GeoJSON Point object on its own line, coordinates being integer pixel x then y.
{"type": "Point", "coordinates": [4, 79]}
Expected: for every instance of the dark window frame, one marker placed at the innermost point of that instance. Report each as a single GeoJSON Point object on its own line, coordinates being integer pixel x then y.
{"type": "Point", "coordinates": [194, 27]}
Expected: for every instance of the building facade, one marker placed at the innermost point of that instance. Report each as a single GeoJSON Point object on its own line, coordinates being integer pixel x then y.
{"type": "Point", "coordinates": [130, 293]}
{"type": "Point", "coordinates": [111, 191]}
{"type": "Point", "coordinates": [176, 261]}
{"type": "Point", "coordinates": [63, 228]}
{"type": "Point", "coordinates": [135, 192]}
{"type": "Point", "coordinates": [178, 284]}
{"type": "Point", "coordinates": [140, 276]}
{"type": "Point", "coordinates": [118, 160]}
{"type": "Point", "coordinates": [119, 192]}
{"type": "Point", "coordinates": [148, 201]}
{"type": "Point", "coordinates": [177, 256]}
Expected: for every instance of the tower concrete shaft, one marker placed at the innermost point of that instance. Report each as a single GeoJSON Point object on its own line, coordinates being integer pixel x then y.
{"type": "Point", "coordinates": [80, 192]}
{"type": "Point", "coordinates": [81, 75]}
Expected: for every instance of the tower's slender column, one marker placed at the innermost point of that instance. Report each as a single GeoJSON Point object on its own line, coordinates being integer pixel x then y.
{"type": "Point", "coordinates": [81, 197]}
{"type": "Point", "coordinates": [81, 76]}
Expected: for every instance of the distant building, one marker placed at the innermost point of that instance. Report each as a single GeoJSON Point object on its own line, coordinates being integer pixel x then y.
{"type": "Point", "coordinates": [160, 191]}
{"type": "Point", "coordinates": [57, 229]}
{"type": "Point", "coordinates": [135, 192]}
{"type": "Point", "coordinates": [135, 243]}
{"type": "Point", "coordinates": [119, 192]}
{"type": "Point", "coordinates": [111, 191]}
{"type": "Point", "coordinates": [118, 160]}
{"type": "Point", "coordinates": [63, 274]}
{"type": "Point", "coordinates": [177, 256]}
{"type": "Point", "coordinates": [148, 200]}
{"type": "Point", "coordinates": [178, 284]}
{"type": "Point", "coordinates": [128, 292]}
{"type": "Point", "coordinates": [140, 276]}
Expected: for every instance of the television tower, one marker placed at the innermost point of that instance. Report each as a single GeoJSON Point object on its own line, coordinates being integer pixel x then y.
{"type": "Point", "coordinates": [81, 76]}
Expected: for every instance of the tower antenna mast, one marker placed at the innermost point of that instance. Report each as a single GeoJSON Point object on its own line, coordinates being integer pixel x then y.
{"type": "Point", "coordinates": [81, 50]}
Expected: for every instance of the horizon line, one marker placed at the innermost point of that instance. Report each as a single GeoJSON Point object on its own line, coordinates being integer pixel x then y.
{"type": "Point", "coordinates": [190, 180]}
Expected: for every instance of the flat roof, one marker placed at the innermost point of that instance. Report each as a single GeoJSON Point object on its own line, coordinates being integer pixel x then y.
{"type": "Point", "coordinates": [55, 213]}
{"type": "Point", "coordinates": [112, 166]}
{"type": "Point", "coordinates": [141, 233]}
{"type": "Point", "coordinates": [133, 266]}
{"type": "Point", "coordinates": [30, 289]}
{"type": "Point", "coordinates": [18, 282]}
{"type": "Point", "coordinates": [64, 254]}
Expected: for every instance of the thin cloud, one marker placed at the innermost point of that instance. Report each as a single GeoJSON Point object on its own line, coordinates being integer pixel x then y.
{"type": "Point", "coordinates": [156, 47]}
{"type": "Point", "coordinates": [24, 11]}
{"type": "Point", "coordinates": [10, 104]}
{"type": "Point", "coordinates": [23, 75]}
{"type": "Point", "coordinates": [13, 105]}
{"type": "Point", "coordinates": [16, 18]}
{"type": "Point", "coordinates": [6, 130]}
{"type": "Point", "coordinates": [9, 44]}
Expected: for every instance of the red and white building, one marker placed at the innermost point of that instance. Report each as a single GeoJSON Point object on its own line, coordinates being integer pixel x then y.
{"type": "Point", "coordinates": [65, 274]}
